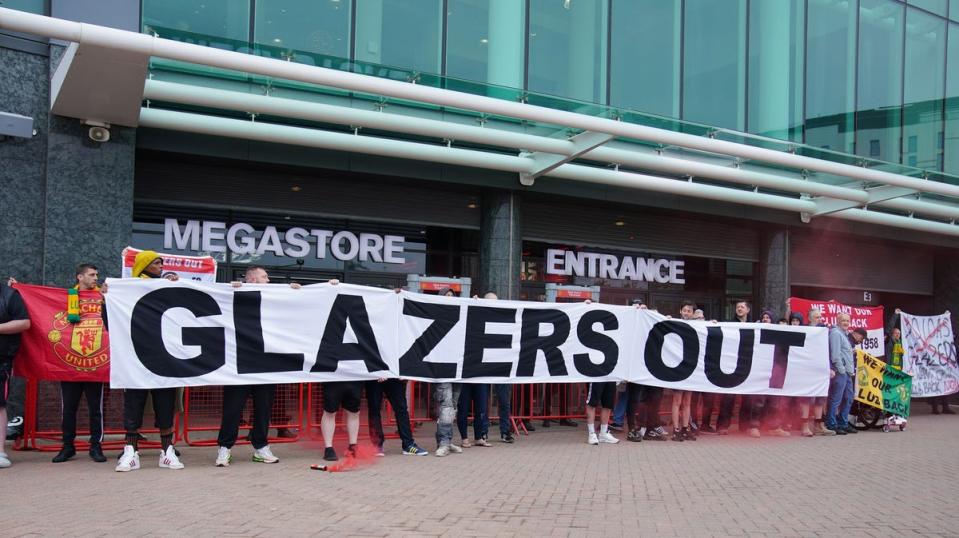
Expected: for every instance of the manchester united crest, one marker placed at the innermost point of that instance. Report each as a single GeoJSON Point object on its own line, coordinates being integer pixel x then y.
{"type": "Point", "coordinates": [81, 345]}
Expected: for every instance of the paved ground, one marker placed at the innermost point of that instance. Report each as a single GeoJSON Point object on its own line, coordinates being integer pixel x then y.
{"type": "Point", "coordinates": [548, 484]}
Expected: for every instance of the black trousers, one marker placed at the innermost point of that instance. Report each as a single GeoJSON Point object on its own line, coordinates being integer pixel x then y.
{"type": "Point", "coordinates": [135, 401]}
{"type": "Point", "coordinates": [234, 399]}
{"type": "Point", "coordinates": [70, 394]}
{"type": "Point", "coordinates": [395, 390]}
{"type": "Point", "coordinates": [726, 403]}
{"type": "Point", "coordinates": [651, 403]}
{"type": "Point", "coordinates": [563, 389]}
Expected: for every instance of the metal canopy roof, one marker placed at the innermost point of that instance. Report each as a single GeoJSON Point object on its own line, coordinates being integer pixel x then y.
{"type": "Point", "coordinates": [103, 78]}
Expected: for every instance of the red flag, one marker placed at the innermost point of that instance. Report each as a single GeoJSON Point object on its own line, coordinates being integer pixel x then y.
{"type": "Point", "coordinates": [55, 349]}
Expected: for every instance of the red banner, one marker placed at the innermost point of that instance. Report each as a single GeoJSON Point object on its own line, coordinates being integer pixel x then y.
{"type": "Point", "coordinates": [865, 317]}
{"type": "Point", "coordinates": [55, 349]}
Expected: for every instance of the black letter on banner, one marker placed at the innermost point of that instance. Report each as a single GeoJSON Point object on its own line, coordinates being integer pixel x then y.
{"type": "Point", "coordinates": [782, 340]}
{"type": "Point", "coordinates": [477, 339]}
{"type": "Point", "coordinates": [654, 350]}
{"type": "Point", "coordinates": [598, 341]}
{"type": "Point", "coordinates": [530, 341]}
{"type": "Point", "coordinates": [147, 336]}
{"type": "Point", "coordinates": [333, 350]}
{"type": "Point", "coordinates": [714, 352]}
{"type": "Point", "coordinates": [250, 356]}
{"type": "Point", "coordinates": [444, 317]}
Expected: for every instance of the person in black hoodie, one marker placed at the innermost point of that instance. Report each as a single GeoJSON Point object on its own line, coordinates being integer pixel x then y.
{"type": "Point", "coordinates": [147, 264]}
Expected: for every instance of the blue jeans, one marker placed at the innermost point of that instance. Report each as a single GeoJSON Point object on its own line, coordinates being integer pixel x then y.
{"type": "Point", "coordinates": [478, 396]}
{"type": "Point", "coordinates": [619, 410]}
{"type": "Point", "coordinates": [445, 397]}
{"type": "Point", "coordinates": [840, 401]}
{"type": "Point", "coordinates": [504, 393]}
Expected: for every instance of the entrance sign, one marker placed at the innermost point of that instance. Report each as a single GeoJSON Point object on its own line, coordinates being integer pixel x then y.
{"type": "Point", "coordinates": [242, 239]}
{"type": "Point", "coordinates": [595, 265]}
{"type": "Point", "coordinates": [930, 354]}
{"type": "Point", "coordinates": [168, 334]}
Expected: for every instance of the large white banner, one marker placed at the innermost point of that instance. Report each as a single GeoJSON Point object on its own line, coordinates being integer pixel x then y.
{"type": "Point", "coordinates": [169, 334]}
{"type": "Point", "coordinates": [930, 354]}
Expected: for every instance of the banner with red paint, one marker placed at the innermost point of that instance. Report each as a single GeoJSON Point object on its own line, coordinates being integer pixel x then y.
{"type": "Point", "coordinates": [195, 268]}
{"type": "Point", "coordinates": [866, 317]}
{"type": "Point", "coordinates": [930, 354]}
{"type": "Point", "coordinates": [54, 349]}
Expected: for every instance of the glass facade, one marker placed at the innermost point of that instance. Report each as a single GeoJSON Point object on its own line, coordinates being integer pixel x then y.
{"type": "Point", "coordinates": [874, 78]}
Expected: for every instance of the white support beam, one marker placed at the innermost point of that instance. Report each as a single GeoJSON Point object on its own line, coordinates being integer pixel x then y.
{"type": "Point", "coordinates": [876, 195]}
{"type": "Point", "coordinates": [547, 162]}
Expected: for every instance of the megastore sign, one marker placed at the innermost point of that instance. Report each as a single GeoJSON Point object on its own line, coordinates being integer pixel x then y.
{"type": "Point", "coordinates": [243, 239]}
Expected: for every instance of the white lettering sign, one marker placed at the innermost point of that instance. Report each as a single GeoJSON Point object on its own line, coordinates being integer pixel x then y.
{"type": "Point", "coordinates": [241, 239]}
{"type": "Point", "coordinates": [592, 265]}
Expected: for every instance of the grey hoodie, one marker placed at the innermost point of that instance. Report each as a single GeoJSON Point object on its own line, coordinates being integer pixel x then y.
{"type": "Point", "coordinates": [841, 353]}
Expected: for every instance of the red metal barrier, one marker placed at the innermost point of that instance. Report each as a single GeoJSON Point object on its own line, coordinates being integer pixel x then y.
{"type": "Point", "coordinates": [203, 409]}
{"type": "Point", "coordinates": [43, 415]}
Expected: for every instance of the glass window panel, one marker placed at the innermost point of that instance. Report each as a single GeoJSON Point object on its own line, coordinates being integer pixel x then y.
{"type": "Point", "coordinates": [880, 78]}
{"type": "Point", "coordinates": [923, 87]}
{"type": "Point", "coordinates": [831, 76]}
{"type": "Point", "coordinates": [567, 49]}
{"type": "Point", "coordinates": [484, 41]}
{"type": "Point", "coordinates": [954, 10]}
{"type": "Point", "coordinates": [645, 55]}
{"type": "Point", "coordinates": [30, 6]}
{"type": "Point", "coordinates": [714, 78]}
{"type": "Point", "coordinates": [295, 27]}
{"type": "Point", "coordinates": [399, 33]}
{"type": "Point", "coordinates": [776, 30]}
{"type": "Point", "coordinates": [936, 6]}
{"type": "Point", "coordinates": [951, 137]}
{"type": "Point", "coordinates": [212, 23]}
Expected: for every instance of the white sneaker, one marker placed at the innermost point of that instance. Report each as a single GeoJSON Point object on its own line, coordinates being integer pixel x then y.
{"type": "Point", "coordinates": [223, 457]}
{"type": "Point", "coordinates": [455, 449]}
{"type": "Point", "coordinates": [442, 451]}
{"type": "Point", "coordinates": [4, 460]}
{"type": "Point", "coordinates": [592, 439]}
{"type": "Point", "coordinates": [608, 438]}
{"type": "Point", "coordinates": [168, 459]}
{"type": "Point", "coordinates": [129, 460]}
{"type": "Point", "coordinates": [264, 455]}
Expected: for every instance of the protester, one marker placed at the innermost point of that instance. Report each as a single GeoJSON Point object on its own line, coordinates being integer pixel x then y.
{"type": "Point", "coordinates": [446, 398]}
{"type": "Point", "coordinates": [841, 386]}
{"type": "Point", "coordinates": [234, 400]}
{"type": "Point", "coordinates": [16, 398]}
{"type": "Point", "coordinates": [681, 411]}
{"type": "Point", "coordinates": [87, 276]}
{"type": "Point", "coordinates": [13, 321]}
{"type": "Point", "coordinates": [811, 408]}
{"type": "Point", "coordinates": [395, 391]}
{"type": "Point", "coordinates": [147, 264]}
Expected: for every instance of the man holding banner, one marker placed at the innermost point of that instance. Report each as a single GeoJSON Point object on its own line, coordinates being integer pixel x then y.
{"type": "Point", "coordinates": [842, 385]}
{"type": "Point", "coordinates": [148, 265]}
{"type": "Point", "coordinates": [87, 276]}
{"type": "Point", "coordinates": [13, 321]}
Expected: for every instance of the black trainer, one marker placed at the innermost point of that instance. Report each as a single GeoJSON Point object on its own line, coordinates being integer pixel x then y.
{"type": "Point", "coordinates": [329, 454]}
{"type": "Point", "coordinates": [547, 423]}
{"type": "Point", "coordinates": [96, 453]}
{"type": "Point", "coordinates": [678, 435]}
{"type": "Point", "coordinates": [507, 438]}
{"type": "Point", "coordinates": [529, 426]}
{"type": "Point", "coordinates": [708, 430]}
{"type": "Point", "coordinates": [655, 434]}
{"type": "Point", "coordinates": [568, 422]}
{"type": "Point", "coordinates": [851, 429]}
{"type": "Point", "coordinates": [635, 436]}
{"type": "Point", "coordinates": [67, 452]}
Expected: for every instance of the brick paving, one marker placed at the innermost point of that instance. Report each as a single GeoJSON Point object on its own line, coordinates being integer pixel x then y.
{"type": "Point", "coordinates": [548, 484]}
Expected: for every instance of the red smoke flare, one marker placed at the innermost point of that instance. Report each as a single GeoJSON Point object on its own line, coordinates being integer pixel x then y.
{"type": "Point", "coordinates": [365, 456]}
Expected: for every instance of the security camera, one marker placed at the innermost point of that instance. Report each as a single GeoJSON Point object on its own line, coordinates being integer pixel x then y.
{"type": "Point", "coordinates": [99, 134]}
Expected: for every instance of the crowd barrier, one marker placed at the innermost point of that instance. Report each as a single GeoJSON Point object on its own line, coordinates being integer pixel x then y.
{"type": "Point", "coordinates": [42, 421]}
{"type": "Point", "coordinates": [296, 406]}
